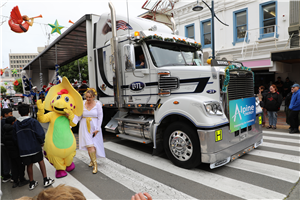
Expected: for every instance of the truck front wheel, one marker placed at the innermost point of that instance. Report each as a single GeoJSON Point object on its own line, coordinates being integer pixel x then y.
{"type": "Point", "coordinates": [182, 145]}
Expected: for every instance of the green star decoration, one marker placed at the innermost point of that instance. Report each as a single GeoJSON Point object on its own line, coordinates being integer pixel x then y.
{"type": "Point", "coordinates": [55, 27]}
{"type": "Point", "coordinates": [14, 71]}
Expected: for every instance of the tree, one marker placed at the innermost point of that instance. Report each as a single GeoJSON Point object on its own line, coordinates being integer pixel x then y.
{"type": "Point", "coordinates": [3, 89]}
{"type": "Point", "coordinates": [71, 70]}
{"type": "Point", "coordinates": [19, 88]}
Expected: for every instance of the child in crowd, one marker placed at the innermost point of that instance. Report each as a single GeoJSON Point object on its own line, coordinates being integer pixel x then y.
{"type": "Point", "coordinates": [5, 160]}
{"type": "Point", "coordinates": [17, 168]}
{"type": "Point", "coordinates": [30, 137]}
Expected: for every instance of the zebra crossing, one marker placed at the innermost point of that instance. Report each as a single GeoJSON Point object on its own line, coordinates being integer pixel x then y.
{"type": "Point", "coordinates": [268, 172]}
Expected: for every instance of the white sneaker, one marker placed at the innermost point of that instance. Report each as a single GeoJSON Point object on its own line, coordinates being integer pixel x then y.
{"type": "Point", "coordinates": [33, 185]}
{"type": "Point", "coordinates": [48, 182]}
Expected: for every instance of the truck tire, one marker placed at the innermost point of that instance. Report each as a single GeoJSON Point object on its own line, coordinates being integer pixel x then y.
{"type": "Point", "coordinates": [182, 145]}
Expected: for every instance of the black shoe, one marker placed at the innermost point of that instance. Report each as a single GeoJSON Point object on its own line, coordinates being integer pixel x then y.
{"type": "Point", "coordinates": [269, 127]}
{"type": "Point", "coordinates": [48, 182]}
{"type": "Point", "coordinates": [22, 183]}
{"type": "Point", "coordinates": [6, 178]}
{"type": "Point", "coordinates": [290, 128]}
{"type": "Point", "coordinates": [274, 127]}
{"type": "Point", "coordinates": [33, 184]}
{"type": "Point", "coordinates": [295, 131]}
{"type": "Point", "coordinates": [16, 184]}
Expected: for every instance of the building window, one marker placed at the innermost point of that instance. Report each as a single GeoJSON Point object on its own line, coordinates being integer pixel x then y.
{"type": "Point", "coordinates": [240, 25]}
{"type": "Point", "coordinates": [268, 19]}
{"type": "Point", "coordinates": [190, 31]}
{"type": "Point", "coordinates": [6, 74]}
{"type": "Point", "coordinates": [205, 28]}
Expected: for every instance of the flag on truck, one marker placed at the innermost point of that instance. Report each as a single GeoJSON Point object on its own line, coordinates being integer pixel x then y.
{"type": "Point", "coordinates": [120, 25]}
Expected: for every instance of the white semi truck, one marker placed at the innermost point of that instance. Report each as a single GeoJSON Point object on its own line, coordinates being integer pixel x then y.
{"type": "Point", "coordinates": [196, 113]}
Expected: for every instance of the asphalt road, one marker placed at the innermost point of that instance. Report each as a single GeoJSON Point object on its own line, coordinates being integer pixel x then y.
{"type": "Point", "coordinates": [269, 172]}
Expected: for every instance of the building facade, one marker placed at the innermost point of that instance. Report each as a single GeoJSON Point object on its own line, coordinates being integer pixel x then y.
{"type": "Point", "coordinates": [257, 29]}
{"type": "Point", "coordinates": [19, 60]}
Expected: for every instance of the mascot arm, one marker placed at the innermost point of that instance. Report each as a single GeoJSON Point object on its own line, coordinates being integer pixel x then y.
{"type": "Point", "coordinates": [40, 114]}
{"type": "Point", "coordinates": [70, 116]}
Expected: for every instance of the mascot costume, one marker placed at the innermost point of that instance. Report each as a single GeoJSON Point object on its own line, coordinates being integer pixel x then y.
{"type": "Point", "coordinates": [63, 101]}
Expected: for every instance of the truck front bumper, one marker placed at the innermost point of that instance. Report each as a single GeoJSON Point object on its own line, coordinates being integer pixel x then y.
{"type": "Point", "coordinates": [220, 146]}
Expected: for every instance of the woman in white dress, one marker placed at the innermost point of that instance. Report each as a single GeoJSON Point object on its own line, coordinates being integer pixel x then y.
{"type": "Point", "coordinates": [90, 133]}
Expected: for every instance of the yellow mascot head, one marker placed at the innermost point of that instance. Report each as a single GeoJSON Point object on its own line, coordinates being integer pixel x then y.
{"type": "Point", "coordinates": [63, 96]}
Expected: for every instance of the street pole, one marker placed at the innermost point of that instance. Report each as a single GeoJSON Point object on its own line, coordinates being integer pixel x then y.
{"type": "Point", "coordinates": [212, 29]}
{"type": "Point", "coordinates": [199, 8]}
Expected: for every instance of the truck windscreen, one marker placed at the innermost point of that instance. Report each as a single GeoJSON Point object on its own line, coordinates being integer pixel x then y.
{"type": "Point", "coordinates": [173, 54]}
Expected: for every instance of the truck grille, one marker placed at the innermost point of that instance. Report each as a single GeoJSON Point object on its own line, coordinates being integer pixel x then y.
{"type": "Point", "coordinates": [168, 83]}
{"type": "Point", "coordinates": [240, 85]}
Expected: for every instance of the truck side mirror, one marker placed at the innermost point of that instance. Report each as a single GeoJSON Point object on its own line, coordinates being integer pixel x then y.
{"type": "Point", "coordinates": [129, 57]}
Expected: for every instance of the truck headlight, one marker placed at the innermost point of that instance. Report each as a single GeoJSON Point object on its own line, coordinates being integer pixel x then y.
{"type": "Point", "coordinates": [213, 108]}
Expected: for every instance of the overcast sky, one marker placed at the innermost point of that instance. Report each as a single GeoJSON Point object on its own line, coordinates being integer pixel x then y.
{"type": "Point", "coordinates": [62, 10]}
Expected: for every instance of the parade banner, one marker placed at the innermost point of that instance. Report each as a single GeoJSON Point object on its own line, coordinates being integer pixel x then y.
{"type": "Point", "coordinates": [242, 113]}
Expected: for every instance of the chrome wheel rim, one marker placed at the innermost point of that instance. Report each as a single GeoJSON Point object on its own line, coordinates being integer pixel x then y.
{"type": "Point", "coordinates": [181, 145]}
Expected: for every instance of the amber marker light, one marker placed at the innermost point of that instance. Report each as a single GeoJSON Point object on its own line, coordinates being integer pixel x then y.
{"type": "Point", "coordinates": [140, 105]}
{"type": "Point", "coordinates": [208, 61]}
{"type": "Point", "coordinates": [151, 106]}
{"type": "Point", "coordinates": [176, 102]}
{"type": "Point", "coordinates": [163, 73]}
{"type": "Point", "coordinates": [136, 33]}
{"type": "Point", "coordinates": [111, 105]}
{"type": "Point", "coordinates": [128, 105]}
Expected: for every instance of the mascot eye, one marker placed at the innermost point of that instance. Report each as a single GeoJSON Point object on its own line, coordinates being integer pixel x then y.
{"type": "Point", "coordinates": [67, 99]}
{"type": "Point", "coordinates": [58, 97]}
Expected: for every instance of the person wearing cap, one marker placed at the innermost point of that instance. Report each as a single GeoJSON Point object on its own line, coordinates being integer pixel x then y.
{"type": "Point", "coordinates": [295, 108]}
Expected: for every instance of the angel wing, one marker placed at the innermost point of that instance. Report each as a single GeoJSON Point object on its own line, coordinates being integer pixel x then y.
{"type": "Point", "coordinates": [16, 16]}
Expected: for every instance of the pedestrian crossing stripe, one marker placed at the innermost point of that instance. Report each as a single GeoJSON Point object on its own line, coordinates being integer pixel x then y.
{"type": "Point", "coordinates": [218, 135]}
{"type": "Point", "coordinates": [209, 179]}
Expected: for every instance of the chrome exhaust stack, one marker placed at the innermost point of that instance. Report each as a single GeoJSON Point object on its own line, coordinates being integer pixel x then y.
{"type": "Point", "coordinates": [117, 79]}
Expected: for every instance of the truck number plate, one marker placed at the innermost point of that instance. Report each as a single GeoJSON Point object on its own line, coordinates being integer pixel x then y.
{"type": "Point", "coordinates": [243, 136]}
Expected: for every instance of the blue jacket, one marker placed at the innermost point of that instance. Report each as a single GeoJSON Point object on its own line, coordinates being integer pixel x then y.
{"type": "Point", "coordinates": [295, 101]}
{"type": "Point", "coordinates": [29, 135]}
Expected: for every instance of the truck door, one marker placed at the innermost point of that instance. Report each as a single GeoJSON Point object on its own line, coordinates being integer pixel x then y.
{"type": "Point", "coordinates": [136, 81]}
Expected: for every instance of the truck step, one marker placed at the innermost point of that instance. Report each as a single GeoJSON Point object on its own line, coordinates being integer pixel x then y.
{"type": "Point", "coordinates": [136, 121]}
{"type": "Point", "coordinates": [136, 139]}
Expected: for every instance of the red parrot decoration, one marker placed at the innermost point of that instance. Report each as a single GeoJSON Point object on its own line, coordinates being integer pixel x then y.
{"type": "Point", "coordinates": [16, 83]}
{"type": "Point", "coordinates": [16, 19]}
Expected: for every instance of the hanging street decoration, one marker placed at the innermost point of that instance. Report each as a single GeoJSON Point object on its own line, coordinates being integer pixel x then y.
{"type": "Point", "coordinates": [5, 83]}
{"type": "Point", "coordinates": [19, 23]}
{"type": "Point", "coordinates": [57, 74]}
{"type": "Point", "coordinates": [1, 71]}
{"type": "Point", "coordinates": [56, 27]}
{"type": "Point", "coordinates": [16, 83]}
{"type": "Point", "coordinates": [14, 71]}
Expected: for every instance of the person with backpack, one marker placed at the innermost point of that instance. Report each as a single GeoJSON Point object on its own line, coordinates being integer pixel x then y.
{"type": "Point", "coordinates": [272, 103]}
{"type": "Point", "coordinates": [30, 130]}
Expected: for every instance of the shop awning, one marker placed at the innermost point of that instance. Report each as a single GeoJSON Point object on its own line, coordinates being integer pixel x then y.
{"type": "Point", "coordinates": [286, 56]}
{"type": "Point", "coordinates": [69, 46]}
